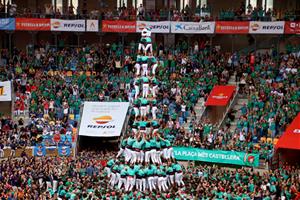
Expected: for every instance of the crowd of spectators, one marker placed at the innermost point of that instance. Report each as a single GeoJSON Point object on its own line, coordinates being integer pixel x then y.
{"type": "Point", "coordinates": [51, 85]}
{"type": "Point", "coordinates": [83, 177]}
{"type": "Point", "coordinates": [273, 94]}
{"type": "Point", "coordinates": [128, 12]}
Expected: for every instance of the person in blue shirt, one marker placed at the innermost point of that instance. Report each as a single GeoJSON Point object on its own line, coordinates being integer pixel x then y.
{"type": "Point", "coordinates": [146, 82]}
{"type": "Point", "coordinates": [140, 178]}
{"type": "Point", "coordinates": [136, 87]}
{"type": "Point", "coordinates": [138, 154]}
{"type": "Point", "coordinates": [110, 163]}
{"type": "Point", "coordinates": [130, 181]}
{"type": "Point", "coordinates": [123, 175]}
{"type": "Point", "coordinates": [178, 174]}
{"type": "Point", "coordinates": [122, 147]}
{"type": "Point", "coordinates": [147, 149]}
{"type": "Point", "coordinates": [153, 109]}
{"type": "Point", "coordinates": [144, 61]}
{"type": "Point", "coordinates": [143, 107]}
{"type": "Point", "coordinates": [115, 175]}
{"type": "Point", "coordinates": [154, 66]}
{"type": "Point", "coordinates": [128, 152]}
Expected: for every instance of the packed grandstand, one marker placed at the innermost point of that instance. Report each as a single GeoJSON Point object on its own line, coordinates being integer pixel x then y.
{"type": "Point", "coordinates": [150, 100]}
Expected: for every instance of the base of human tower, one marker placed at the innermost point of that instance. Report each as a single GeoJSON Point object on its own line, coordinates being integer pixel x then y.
{"type": "Point", "coordinates": [145, 162]}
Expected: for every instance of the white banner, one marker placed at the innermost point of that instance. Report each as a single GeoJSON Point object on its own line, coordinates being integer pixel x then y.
{"type": "Point", "coordinates": [103, 119]}
{"type": "Point", "coordinates": [67, 25]}
{"type": "Point", "coordinates": [266, 27]}
{"type": "Point", "coordinates": [92, 25]}
{"type": "Point", "coordinates": [193, 27]}
{"type": "Point", "coordinates": [156, 27]}
{"type": "Point", "coordinates": [5, 91]}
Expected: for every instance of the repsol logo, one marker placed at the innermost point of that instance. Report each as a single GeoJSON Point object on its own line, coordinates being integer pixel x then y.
{"type": "Point", "coordinates": [273, 27]}
{"type": "Point", "coordinates": [74, 25]}
{"type": "Point", "coordinates": [159, 27]}
{"type": "Point", "coordinates": [101, 126]}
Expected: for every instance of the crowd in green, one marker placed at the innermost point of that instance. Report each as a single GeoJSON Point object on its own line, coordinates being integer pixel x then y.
{"type": "Point", "coordinates": [53, 85]}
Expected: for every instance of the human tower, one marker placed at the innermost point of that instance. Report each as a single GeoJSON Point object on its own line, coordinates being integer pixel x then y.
{"type": "Point", "coordinates": [145, 161]}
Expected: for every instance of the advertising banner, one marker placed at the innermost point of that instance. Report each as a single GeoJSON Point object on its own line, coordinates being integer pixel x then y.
{"type": "Point", "coordinates": [64, 151]}
{"type": "Point", "coordinates": [156, 27]}
{"type": "Point", "coordinates": [103, 119]}
{"type": "Point", "coordinates": [231, 27]}
{"type": "Point", "coordinates": [68, 25]}
{"type": "Point", "coordinates": [193, 27]}
{"type": "Point", "coordinates": [92, 25]}
{"type": "Point", "coordinates": [216, 156]}
{"type": "Point", "coordinates": [32, 24]}
{"type": "Point", "coordinates": [291, 137]}
{"type": "Point", "coordinates": [292, 27]}
{"type": "Point", "coordinates": [220, 95]}
{"type": "Point", "coordinates": [8, 24]}
{"type": "Point", "coordinates": [266, 27]}
{"type": "Point", "coordinates": [119, 26]}
{"type": "Point", "coordinates": [5, 91]}
{"type": "Point", "coordinates": [39, 150]}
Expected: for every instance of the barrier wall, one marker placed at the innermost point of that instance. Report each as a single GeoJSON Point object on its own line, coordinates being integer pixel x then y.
{"type": "Point", "coordinates": [122, 26]}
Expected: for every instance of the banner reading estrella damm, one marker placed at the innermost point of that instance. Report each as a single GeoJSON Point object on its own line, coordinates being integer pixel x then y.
{"type": "Point", "coordinates": [216, 156]}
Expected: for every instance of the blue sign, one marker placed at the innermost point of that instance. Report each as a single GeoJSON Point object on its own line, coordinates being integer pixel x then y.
{"type": "Point", "coordinates": [64, 151]}
{"type": "Point", "coordinates": [39, 150]}
{"type": "Point", "coordinates": [8, 24]}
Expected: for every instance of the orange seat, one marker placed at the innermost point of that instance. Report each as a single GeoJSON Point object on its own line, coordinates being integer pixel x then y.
{"type": "Point", "coordinates": [275, 141]}
{"type": "Point", "coordinates": [88, 73]}
{"type": "Point", "coordinates": [69, 73]}
{"type": "Point", "coordinates": [263, 139]}
{"type": "Point", "coordinates": [269, 140]}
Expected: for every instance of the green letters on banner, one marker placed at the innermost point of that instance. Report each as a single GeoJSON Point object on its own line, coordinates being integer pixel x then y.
{"type": "Point", "coordinates": [217, 156]}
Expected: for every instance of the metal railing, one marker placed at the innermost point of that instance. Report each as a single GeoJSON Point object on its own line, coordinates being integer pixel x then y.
{"type": "Point", "coordinates": [231, 104]}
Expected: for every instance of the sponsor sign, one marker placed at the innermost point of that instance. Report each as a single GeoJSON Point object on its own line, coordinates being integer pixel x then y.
{"type": "Point", "coordinates": [64, 151]}
{"type": "Point", "coordinates": [67, 25]}
{"type": "Point", "coordinates": [220, 95]}
{"type": "Point", "coordinates": [5, 91]}
{"type": "Point", "coordinates": [216, 156]}
{"type": "Point", "coordinates": [119, 26]}
{"type": "Point", "coordinates": [266, 27]}
{"type": "Point", "coordinates": [291, 137]}
{"type": "Point", "coordinates": [32, 24]}
{"type": "Point", "coordinates": [7, 24]}
{"type": "Point", "coordinates": [231, 27]}
{"type": "Point", "coordinates": [292, 27]}
{"type": "Point", "coordinates": [39, 150]}
{"type": "Point", "coordinates": [156, 27]}
{"type": "Point", "coordinates": [92, 25]}
{"type": "Point", "coordinates": [103, 119]}
{"type": "Point", "coordinates": [193, 27]}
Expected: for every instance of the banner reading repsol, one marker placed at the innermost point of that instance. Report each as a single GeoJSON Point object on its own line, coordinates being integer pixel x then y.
{"type": "Point", "coordinates": [216, 156]}
{"type": "Point", "coordinates": [68, 25]}
{"type": "Point", "coordinates": [103, 119]}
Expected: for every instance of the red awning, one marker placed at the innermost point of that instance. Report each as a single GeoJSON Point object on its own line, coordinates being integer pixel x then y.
{"type": "Point", "coordinates": [291, 137]}
{"type": "Point", "coordinates": [220, 95]}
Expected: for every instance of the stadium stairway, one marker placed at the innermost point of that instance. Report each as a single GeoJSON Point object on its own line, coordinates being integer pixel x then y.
{"type": "Point", "coordinates": [199, 109]}
{"type": "Point", "coordinates": [237, 107]}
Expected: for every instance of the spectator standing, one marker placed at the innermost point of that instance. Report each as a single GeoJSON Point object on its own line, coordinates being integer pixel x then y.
{"type": "Point", "coordinates": [141, 12]}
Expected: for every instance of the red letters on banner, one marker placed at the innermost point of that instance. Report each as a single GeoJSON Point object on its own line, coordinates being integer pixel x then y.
{"type": "Point", "coordinates": [232, 27]}
{"type": "Point", "coordinates": [292, 27]}
{"type": "Point", "coordinates": [120, 26]}
{"type": "Point", "coordinates": [33, 24]}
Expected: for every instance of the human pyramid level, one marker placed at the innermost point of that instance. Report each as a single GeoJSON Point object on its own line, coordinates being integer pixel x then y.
{"type": "Point", "coordinates": [145, 161]}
